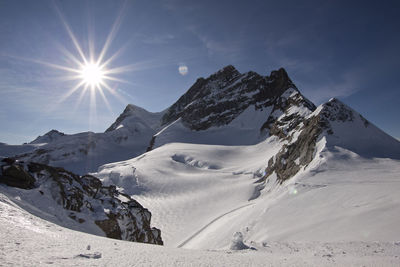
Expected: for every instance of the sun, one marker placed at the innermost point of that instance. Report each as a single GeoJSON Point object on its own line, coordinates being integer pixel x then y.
{"type": "Point", "coordinates": [92, 74]}
{"type": "Point", "coordinates": [91, 69]}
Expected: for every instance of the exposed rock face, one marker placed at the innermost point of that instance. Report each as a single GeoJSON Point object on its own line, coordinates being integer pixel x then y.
{"type": "Point", "coordinates": [299, 153]}
{"type": "Point", "coordinates": [289, 111]}
{"type": "Point", "coordinates": [302, 135]}
{"type": "Point", "coordinates": [219, 99]}
{"type": "Point", "coordinates": [117, 214]}
{"type": "Point", "coordinates": [15, 175]}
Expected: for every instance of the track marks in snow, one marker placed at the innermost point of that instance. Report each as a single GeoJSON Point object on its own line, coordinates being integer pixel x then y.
{"type": "Point", "coordinates": [210, 223]}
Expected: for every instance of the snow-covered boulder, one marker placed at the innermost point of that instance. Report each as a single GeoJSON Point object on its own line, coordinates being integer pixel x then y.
{"type": "Point", "coordinates": [237, 242]}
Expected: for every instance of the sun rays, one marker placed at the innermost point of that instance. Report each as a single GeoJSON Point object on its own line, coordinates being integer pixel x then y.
{"type": "Point", "coordinates": [92, 73]}
{"type": "Point", "coordinates": [91, 70]}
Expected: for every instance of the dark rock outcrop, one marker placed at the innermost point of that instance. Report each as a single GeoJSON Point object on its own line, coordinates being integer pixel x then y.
{"type": "Point", "coordinates": [294, 155]}
{"type": "Point", "coordinates": [283, 120]}
{"type": "Point", "coordinates": [117, 214]}
{"type": "Point", "coordinates": [15, 175]}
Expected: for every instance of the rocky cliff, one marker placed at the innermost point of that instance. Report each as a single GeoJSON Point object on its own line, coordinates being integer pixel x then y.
{"type": "Point", "coordinates": [84, 199]}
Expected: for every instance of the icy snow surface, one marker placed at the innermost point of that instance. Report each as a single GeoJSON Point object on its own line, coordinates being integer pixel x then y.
{"type": "Point", "coordinates": [27, 240]}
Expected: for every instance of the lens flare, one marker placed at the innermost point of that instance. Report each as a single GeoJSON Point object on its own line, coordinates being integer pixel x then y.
{"type": "Point", "coordinates": [183, 70]}
{"type": "Point", "coordinates": [292, 190]}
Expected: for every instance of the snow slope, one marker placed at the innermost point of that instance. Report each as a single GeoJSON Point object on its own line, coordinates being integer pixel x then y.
{"type": "Point", "coordinates": [29, 240]}
{"type": "Point", "coordinates": [200, 195]}
{"type": "Point", "coordinates": [247, 125]}
{"type": "Point", "coordinates": [11, 150]}
{"type": "Point", "coordinates": [181, 182]}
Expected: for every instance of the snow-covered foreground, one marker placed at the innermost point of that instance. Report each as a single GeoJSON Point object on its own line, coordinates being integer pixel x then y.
{"type": "Point", "coordinates": [27, 240]}
{"type": "Point", "coordinates": [186, 186]}
{"type": "Point", "coordinates": [200, 195]}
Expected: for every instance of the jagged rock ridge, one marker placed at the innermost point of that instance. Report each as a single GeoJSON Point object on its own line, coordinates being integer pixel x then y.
{"type": "Point", "coordinates": [220, 98]}
{"type": "Point", "coordinates": [232, 108]}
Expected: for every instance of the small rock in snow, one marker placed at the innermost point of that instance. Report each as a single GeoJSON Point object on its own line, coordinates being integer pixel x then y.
{"type": "Point", "coordinates": [237, 242]}
{"type": "Point", "coordinates": [96, 255]}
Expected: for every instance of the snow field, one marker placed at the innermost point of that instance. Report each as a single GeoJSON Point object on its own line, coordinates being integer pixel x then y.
{"type": "Point", "coordinates": [29, 240]}
{"type": "Point", "coordinates": [339, 197]}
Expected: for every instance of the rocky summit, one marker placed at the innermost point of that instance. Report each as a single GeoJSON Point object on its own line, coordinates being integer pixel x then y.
{"type": "Point", "coordinates": [220, 98]}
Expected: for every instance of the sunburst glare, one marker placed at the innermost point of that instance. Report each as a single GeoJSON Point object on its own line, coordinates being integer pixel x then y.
{"type": "Point", "coordinates": [92, 74]}
{"type": "Point", "coordinates": [89, 69]}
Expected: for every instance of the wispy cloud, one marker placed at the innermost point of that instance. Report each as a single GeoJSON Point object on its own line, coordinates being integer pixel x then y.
{"type": "Point", "coordinates": [326, 89]}
{"type": "Point", "coordinates": [312, 70]}
{"type": "Point", "coordinates": [157, 39]}
{"type": "Point", "coordinates": [221, 46]}
{"type": "Point", "coordinates": [179, 5]}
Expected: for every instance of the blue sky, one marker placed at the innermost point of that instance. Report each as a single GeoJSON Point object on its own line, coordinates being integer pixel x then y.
{"type": "Point", "coordinates": [344, 49]}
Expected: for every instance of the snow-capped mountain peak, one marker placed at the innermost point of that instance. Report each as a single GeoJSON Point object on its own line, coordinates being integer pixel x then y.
{"type": "Point", "coordinates": [347, 128]}
{"type": "Point", "coordinates": [49, 137]}
{"type": "Point", "coordinates": [133, 114]}
{"type": "Point", "coordinates": [220, 98]}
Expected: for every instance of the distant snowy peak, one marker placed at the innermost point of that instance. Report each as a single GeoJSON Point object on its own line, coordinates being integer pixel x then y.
{"type": "Point", "coordinates": [49, 137]}
{"type": "Point", "coordinates": [335, 110]}
{"type": "Point", "coordinates": [220, 98]}
{"type": "Point", "coordinates": [133, 114]}
{"type": "Point", "coordinates": [128, 137]}
{"type": "Point", "coordinates": [347, 128]}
